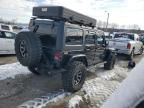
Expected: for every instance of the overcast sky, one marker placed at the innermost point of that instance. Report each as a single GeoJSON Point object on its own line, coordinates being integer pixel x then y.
{"type": "Point", "coordinates": [123, 12]}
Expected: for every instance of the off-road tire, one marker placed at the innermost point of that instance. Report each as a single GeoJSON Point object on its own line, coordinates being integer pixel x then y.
{"type": "Point", "coordinates": [34, 70]}
{"type": "Point", "coordinates": [141, 50]}
{"type": "Point", "coordinates": [68, 76]}
{"type": "Point", "coordinates": [140, 105]}
{"type": "Point", "coordinates": [131, 56]}
{"type": "Point", "coordinates": [32, 46]}
{"type": "Point", "coordinates": [110, 62]}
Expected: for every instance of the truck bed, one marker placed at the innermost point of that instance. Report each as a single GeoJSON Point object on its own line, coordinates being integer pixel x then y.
{"type": "Point", "coordinates": [120, 45]}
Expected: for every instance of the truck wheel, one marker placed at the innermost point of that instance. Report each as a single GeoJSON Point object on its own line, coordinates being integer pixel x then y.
{"type": "Point", "coordinates": [28, 48]}
{"type": "Point", "coordinates": [131, 56]}
{"type": "Point", "coordinates": [110, 62]}
{"type": "Point", "coordinates": [34, 70]}
{"type": "Point", "coordinates": [74, 78]}
{"type": "Point", "coordinates": [141, 50]}
{"type": "Point", "coordinates": [140, 105]}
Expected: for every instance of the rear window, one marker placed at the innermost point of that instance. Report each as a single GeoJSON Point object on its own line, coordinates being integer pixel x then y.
{"type": "Point", "coordinates": [5, 27]}
{"type": "Point", "coordinates": [117, 36]}
{"type": "Point", "coordinates": [9, 35]}
{"type": "Point", "coordinates": [129, 36]}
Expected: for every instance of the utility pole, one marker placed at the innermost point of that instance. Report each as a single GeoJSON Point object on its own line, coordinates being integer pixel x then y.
{"type": "Point", "coordinates": [107, 23]}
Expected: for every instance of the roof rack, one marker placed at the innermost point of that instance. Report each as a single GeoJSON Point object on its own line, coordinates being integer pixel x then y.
{"type": "Point", "coordinates": [63, 14]}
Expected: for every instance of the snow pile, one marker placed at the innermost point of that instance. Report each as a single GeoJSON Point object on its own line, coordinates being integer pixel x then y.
{"type": "Point", "coordinates": [97, 90]}
{"type": "Point", "coordinates": [118, 73]}
{"type": "Point", "coordinates": [74, 101]}
{"type": "Point", "coordinates": [11, 70]}
{"type": "Point", "coordinates": [55, 99]}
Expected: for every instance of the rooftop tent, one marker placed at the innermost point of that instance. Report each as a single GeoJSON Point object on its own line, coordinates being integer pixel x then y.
{"type": "Point", "coordinates": [64, 14]}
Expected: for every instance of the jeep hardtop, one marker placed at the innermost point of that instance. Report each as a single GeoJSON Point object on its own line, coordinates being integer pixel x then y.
{"type": "Point", "coordinates": [64, 41]}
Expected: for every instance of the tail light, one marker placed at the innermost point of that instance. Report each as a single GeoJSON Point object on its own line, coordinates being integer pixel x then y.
{"type": "Point", "coordinates": [58, 56]}
{"type": "Point", "coordinates": [128, 46]}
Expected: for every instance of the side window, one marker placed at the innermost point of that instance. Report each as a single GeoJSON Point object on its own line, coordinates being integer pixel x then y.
{"type": "Point", "coordinates": [5, 27]}
{"type": "Point", "coordinates": [74, 36]}
{"type": "Point", "coordinates": [99, 39]}
{"type": "Point", "coordinates": [1, 35]}
{"type": "Point", "coordinates": [9, 35]}
{"type": "Point", "coordinates": [90, 38]}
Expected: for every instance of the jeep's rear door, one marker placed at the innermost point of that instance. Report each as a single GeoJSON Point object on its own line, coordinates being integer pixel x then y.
{"type": "Point", "coordinates": [100, 47]}
{"type": "Point", "coordinates": [90, 48]}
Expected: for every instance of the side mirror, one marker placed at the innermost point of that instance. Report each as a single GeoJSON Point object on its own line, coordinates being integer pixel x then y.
{"type": "Point", "coordinates": [103, 45]}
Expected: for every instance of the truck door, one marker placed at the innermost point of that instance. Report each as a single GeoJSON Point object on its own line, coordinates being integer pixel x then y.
{"type": "Point", "coordinates": [9, 42]}
{"type": "Point", "coordinates": [90, 47]}
{"type": "Point", "coordinates": [138, 44]}
{"type": "Point", "coordinates": [100, 47]}
{"type": "Point", "coordinates": [2, 42]}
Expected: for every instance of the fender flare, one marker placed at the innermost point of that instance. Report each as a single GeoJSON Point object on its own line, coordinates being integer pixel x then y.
{"type": "Point", "coordinates": [79, 57]}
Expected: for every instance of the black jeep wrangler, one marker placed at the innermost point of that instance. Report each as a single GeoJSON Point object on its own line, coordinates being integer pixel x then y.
{"type": "Point", "coordinates": [61, 40]}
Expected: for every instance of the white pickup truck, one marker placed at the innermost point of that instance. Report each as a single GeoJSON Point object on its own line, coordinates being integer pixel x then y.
{"type": "Point", "coordinates": [126, 43]}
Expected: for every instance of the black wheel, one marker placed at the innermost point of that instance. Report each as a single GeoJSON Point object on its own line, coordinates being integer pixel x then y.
{"type": "Point", "coordinates": [141, 50]}
{"type": "Point", "coordinates": [34, 70]}
{"type": "Point", "coordinates": [28, 48]}
{"type": "Point", "coordinates": [110, 62]}
{"type": "Point", "coordinates": [140, 105]}
{"type": "Point", "coordinates": [131, 64]}
{"type": "Point", "coordinates": [131, 56]}
{"type": "Point", "coordinates": [74, 78]}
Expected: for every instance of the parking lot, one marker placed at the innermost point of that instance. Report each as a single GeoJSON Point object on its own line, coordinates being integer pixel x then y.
{"type": "Point", "coordinates": [23, 88]}
{"type": "Point", "coordinates": [71, 54]}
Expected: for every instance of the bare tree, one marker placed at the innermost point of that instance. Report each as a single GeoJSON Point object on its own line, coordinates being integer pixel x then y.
{"type": "Point", "coordinates": [104, 24]}
{"type": "Point", "coordinates": [134, 26]}
{"type": "Point", "coordinates": [99, 23]}
{"type": "Point", "coordinates": [114, 25]}
{"type": "Point", "coordinates": [1, 20]}
{"type": "Point", "coordinates": [13, 21]}
{"type": "Point", "coordinates": [122, 27]}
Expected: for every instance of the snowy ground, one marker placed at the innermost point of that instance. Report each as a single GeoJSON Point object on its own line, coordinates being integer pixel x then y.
{"type": "Point", "coordinates": [98, 89]}
{"type": "Point", "coordinates": [94, 90]}
{"type": "Point", "coordinates": [11, 70]}
{"type": "Point", "coordinates": [18, 87]}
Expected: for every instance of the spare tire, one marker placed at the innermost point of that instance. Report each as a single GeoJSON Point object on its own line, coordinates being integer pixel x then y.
{"type": "Point", "coordinates": [28, 48]}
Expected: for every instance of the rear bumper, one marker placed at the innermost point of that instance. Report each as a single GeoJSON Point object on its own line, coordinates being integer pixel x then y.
{"type": "Point", "coordinates": [126, 51]}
